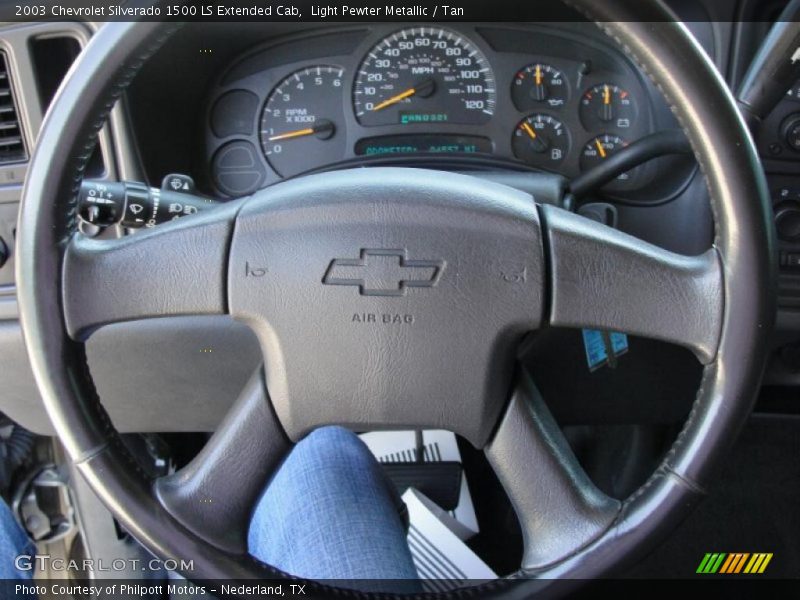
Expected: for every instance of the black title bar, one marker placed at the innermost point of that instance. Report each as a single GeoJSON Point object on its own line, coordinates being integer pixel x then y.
{"type": "Point", "coordinates": [322, 11]}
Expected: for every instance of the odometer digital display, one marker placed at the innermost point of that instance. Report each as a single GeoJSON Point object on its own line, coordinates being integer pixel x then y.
{"type": "Point", "coordinates": [410, 117]}
{"type": "Point", "coordinates": [423, 143]}
{"type": "Point", "coordinates": [424, 71]}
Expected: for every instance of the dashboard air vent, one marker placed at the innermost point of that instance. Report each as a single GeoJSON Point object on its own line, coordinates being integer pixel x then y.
{"type": "Point", "coordinates": [12, 147]}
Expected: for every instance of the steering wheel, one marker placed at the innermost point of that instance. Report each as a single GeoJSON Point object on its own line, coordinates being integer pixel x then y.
{"type": "Point", "coordinates": [396, 298]}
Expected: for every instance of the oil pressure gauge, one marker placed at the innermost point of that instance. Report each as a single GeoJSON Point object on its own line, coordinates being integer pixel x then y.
{"type": "Point", "coordinates": [539, 85]}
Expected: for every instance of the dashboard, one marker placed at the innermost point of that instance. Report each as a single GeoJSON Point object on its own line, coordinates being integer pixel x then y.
{"type": "Point", "coordinates": [480, 96]}
{"type": "Point", "coordinates": [238, 107]}
{"type": "Point", "coordinates": [210, 100]}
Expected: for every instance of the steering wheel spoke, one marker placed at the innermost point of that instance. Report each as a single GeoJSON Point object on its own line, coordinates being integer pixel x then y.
{"type": "Point", "coordinates": [559, 509]}
{"type": "Point", "coordinates": [604, 279]}
{"type": "Point", "coordinates": [175, 269]}
{"type": "Point", "coordinates": [214, 494]}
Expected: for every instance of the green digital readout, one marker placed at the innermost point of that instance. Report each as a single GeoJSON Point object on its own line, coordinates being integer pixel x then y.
{"type": "Point", "coordinates": [409, 118]}
{"type": "Point", "coordinates": [423, 144]}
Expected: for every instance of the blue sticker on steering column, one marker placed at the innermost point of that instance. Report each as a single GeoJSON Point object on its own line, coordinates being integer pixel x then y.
{"type": "Point", "coordinates": [619, 343]}
{"type": "Point", "coordinates": [603, 347]}
{"type": "Point", "coordinates": [596, 354]}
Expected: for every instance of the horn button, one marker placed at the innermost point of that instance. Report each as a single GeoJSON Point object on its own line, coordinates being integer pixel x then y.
{"type": "Point", "coordinates": [388, 298]}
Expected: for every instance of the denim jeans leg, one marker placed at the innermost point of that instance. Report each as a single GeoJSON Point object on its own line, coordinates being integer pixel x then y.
{"type": "Point", "coordinates": [331, 513]}
{"type": "Point", "coordinates": [14, 542]}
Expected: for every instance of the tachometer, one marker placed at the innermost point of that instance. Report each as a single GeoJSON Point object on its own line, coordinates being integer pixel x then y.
{"type": "Point", "coordinates": [299, 121]}
{"type": "Point", "coordinates": [424, 75]}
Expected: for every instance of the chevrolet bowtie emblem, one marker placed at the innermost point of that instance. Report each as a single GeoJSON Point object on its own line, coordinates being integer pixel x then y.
{"type": "Point", "coordinates": [383, 272]}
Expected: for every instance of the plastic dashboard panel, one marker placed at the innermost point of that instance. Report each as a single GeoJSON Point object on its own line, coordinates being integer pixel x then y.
{"type": "Point", "coordinates": [146, 372]}
{"type": "Point", "coordinates": [236, 161]}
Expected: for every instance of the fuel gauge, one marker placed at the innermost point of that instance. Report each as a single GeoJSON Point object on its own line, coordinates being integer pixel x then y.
{"type": "Point", "coordinates": [540, 140]}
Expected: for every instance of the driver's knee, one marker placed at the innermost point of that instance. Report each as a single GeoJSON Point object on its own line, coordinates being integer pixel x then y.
{"type": "Point", "coordinates": [330, 469]}
{"type": "Point", "coordinates": [328, 505]}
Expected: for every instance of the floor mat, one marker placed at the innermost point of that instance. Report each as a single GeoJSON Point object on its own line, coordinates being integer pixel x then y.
{"type": "Point", "coordinates": [754, 506]}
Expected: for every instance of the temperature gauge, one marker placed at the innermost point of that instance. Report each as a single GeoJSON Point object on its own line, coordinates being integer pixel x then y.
{"type": "Point", "coordinates": [540, 140]}
{"type": "Point", "coordinates": [600, 149]}
{"type": "Point", "coordinates": [794, 92]}
{"type": "Point", "coordinates": [607, 105]}
{"type": "Point", "coordinates": [538, 85]}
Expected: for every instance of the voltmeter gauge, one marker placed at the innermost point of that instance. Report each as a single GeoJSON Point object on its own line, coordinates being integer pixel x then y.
{"type": "Point", "coordinates": [607, 106]}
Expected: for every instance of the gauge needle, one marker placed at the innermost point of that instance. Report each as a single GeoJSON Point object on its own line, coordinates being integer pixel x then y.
{"type": "Point", "coordinates": [292, 134]}
{"type": "Point", "coordinates": [606, 95]}
{"type": "Point", "coordinates": [529, 130]}
{"type": "Point", "coordinates": [538, 74]}
{"type": "Point", "coordinates": [395, 99]}
{"type": "Point", "coordinates": [420, 89]}
{"type": "Point", "coordinates": [600, 148]}
{"type": "Point", "coordinates": [321, 127]}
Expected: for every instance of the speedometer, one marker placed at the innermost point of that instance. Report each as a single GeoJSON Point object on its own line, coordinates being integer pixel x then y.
{"type": "Point", "coordinates": [424, 75]}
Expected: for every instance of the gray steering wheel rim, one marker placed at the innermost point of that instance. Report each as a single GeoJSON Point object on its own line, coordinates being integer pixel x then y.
{"type": "Point", "coordinates": [744, 240]}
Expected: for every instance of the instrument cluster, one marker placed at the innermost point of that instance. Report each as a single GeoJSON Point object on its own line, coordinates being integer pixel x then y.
{"type": "Point", "coordinates": [529, 97]}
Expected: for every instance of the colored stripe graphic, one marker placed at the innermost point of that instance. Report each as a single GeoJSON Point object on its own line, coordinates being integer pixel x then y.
{"type": "Point", "coordinates": [758, 563]}
{"type": "Point", "coordinates": [711, 562]}
{"type": "Point", "coordinates": [734, 563]}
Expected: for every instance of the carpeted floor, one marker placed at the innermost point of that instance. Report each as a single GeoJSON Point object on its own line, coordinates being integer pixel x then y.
{"type": "Point", "coordinates": [754, 506]}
